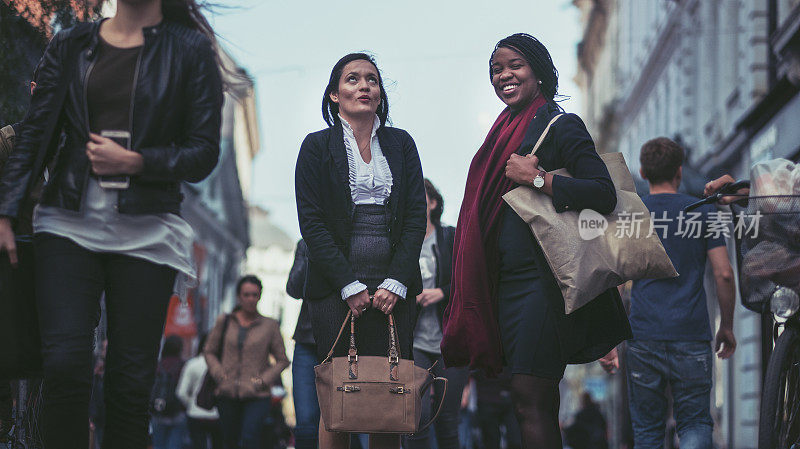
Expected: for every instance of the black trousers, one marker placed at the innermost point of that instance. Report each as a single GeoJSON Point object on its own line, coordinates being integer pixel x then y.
{"type": "Point", "coordinates": [205, 433]}
{"type": "Point", "coordinates": [70, 282]}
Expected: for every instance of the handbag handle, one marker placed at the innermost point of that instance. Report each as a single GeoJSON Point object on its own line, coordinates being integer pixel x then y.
{"type": "Point", "coordinates": [441, 401]}
{"type": "Point", "coordinates": [222, 337]}
{"type": "Point", "coordinates": [544, 134]}
{"type": "Point", "coordinates": [352, 353]}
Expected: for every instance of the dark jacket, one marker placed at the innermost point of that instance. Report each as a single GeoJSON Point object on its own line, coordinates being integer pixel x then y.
{"type": "Point", "coordinates": [175, 120]}
{"type": "Point", "coordinates": [325, 210]}
{"type": "Point", "coordinates": [443, 251]}
{"type": "Point", "coordinates": [569, 145]}
{"type": "Point", "coordinates": [592, 331]}
{"type": "Point", "coordinates": [294, 288]}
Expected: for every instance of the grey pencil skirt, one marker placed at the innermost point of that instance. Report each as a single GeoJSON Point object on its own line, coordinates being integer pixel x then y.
{"type": "Point", "coordinates": [370, 256]}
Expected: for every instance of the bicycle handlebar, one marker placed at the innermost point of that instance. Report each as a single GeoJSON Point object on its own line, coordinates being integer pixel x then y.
{"type": "Point", "coordinates": [728, 189]}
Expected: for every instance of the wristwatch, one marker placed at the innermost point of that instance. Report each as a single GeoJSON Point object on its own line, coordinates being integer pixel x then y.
{"type": "Point", "coordinates": [538, 181]}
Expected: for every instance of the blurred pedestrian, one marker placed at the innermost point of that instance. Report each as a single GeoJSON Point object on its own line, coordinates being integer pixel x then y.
{"type": "Point", "coordinates": [203, 425]}
{"type": "Point", "coordinates": [304, 389]}
{"type": "Point", "coordinates": [671, 329]}
{"type": "Point", "coordinates": [168, 417]}
{"type": "Point", "coordinates": [361, 208]}
{"type": "Point", "coordinates": [505, 305]}
{"type": "Point", "coordinates": [244, 372]}
{"type": "Point", "coordinates": [589, 429]}
{"type": "Point", "coordinates": [435, 263]}
{"type": "Point", "coordinates": [24, 234]}
{"type": "Point", "coordinates": [496, 412]}
{"type": "Point", "coordinates": [150, 72]}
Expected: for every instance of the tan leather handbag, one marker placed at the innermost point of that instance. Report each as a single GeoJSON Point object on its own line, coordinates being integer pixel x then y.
{"type": "Point", "coordinates": [372, 394]}
{"type": "Point", "coordinates": [587, 263]}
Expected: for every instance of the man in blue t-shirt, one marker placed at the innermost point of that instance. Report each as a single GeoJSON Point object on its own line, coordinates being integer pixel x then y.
{"type": "Point", "coordinates": [669, 317]}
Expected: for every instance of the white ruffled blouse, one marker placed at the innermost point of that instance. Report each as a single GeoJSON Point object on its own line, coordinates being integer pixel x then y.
{"type": "Point", "coordinates": [370, 183]}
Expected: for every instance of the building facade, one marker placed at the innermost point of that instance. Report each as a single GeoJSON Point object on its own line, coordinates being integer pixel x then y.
{"type": "Point", "coordinates": [721, 77]}
{"type": "Point", "coordinates": [217, 207]}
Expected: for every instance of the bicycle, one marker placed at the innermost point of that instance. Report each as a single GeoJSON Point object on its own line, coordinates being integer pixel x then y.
{"type": "Point", "coordinates": [769, 280]}
{"type": "Point", "coordinates": [25, 432]}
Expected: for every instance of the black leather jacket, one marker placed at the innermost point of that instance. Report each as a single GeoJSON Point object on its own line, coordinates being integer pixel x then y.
{"type": "Point", "coordinates": [175, 121]}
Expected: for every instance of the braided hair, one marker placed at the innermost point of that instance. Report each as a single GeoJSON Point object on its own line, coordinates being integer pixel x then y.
{"type": "Point", "coordinates": [537, 57]}
{"type": "Point", "coordinates": [330, 110]}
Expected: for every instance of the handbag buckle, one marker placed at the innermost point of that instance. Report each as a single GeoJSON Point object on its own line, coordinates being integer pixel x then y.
{"type": "Point", "coordinates": [349, 388]}
{"type": "Point", "coordinates": [394, 359]}
{"type": "Point", "coordinates": [352, 358]}
{"type": "Point", "coordinates": [399, 390]}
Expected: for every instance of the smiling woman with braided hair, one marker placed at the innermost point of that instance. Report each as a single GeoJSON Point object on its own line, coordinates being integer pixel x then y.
{"type": "Point", "coordinates": [505, 306]}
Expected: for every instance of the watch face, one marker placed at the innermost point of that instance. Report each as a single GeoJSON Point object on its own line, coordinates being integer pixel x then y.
{"type": "Point", "coordinates": [538, 182]}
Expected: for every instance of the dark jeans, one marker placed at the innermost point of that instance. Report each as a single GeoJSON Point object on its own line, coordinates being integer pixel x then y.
{"type": "Point", "coordinates": [70, 283]}
{"type": "Point", "coordinates": [304, 392]}
{"type": "Point", "coordinates": [169, 433]}
{"type": "Point", "coordinates": [494, 415]}
{"type": "Point", "coordinates": [446, 424]}
{"type": "Point", "coordinates": [243, 422]}
{"type": "Point", "coordinates": [205, 433]}
{"type": "Point", "coordinates": [686, 367]}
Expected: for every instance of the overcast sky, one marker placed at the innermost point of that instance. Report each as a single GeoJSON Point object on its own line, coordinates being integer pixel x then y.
{"type": "Point", "coordinates": [433, 56]}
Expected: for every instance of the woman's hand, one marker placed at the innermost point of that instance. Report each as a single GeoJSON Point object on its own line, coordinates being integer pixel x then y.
{"type": "Point", "coordinates": [359, 303]}
{"type": "Point", "coordinates": [430, 296]}
{"type": "Point", "coordinates": [610, 362]}
{"type": "Point", "coordinates": [108, 158]}
{"type": "Point", "coordinates": [7, 242]}
{"type": "Point", "coordinates": [522, 169]}
{"type": "Point", "coordinates": [384, 300]}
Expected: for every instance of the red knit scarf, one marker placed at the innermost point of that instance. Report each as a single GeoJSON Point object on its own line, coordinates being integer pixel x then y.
{"type": "Point", "coordinates": [471, 334]}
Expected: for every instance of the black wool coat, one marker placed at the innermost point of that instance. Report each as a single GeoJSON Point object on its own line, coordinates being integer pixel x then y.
{"type": "Point", "coordinates": [325, 210]}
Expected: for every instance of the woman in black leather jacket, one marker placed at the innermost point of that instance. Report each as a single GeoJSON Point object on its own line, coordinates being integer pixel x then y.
{"type": "Point", "coordinates": [151, 71]}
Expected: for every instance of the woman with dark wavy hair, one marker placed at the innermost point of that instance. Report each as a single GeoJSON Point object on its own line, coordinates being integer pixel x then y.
{"type": "Point", "coordinates": [138, 98]}
{"type": "Point", "coordinates": [361, 208]}
{"type": "Point", "coordinates": [505, 306]}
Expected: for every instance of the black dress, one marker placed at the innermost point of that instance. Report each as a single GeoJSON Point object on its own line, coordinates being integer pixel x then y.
{"type": "Point", "coordinates": [528, 312]}
{"type": "Point", "coordinates": [538, 337]}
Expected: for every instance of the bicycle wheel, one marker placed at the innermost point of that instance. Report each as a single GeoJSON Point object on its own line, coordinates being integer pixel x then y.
{"type": "Point", "coordinates": [779, 427]}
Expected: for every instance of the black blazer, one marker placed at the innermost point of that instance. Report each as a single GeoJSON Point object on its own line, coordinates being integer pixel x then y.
{"type": "Point", "coordinates": [325, 209]}
{"type": "Point", "coordinates": [443, 251]}
{"type": "Point", "coordinates": [593, 330]}
{"type": "Point", "coordinates": [569, 145]}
